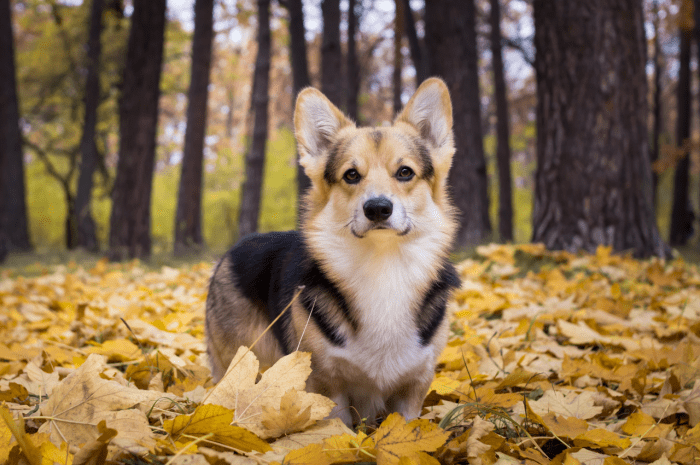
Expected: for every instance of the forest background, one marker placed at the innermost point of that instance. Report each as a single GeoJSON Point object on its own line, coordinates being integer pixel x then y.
{"type": "Point", "coordinates": [51, 37]}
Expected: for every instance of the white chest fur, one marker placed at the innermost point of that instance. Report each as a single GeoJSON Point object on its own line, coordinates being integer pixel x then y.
{"type": "Point", "coordinates": [384, 283]}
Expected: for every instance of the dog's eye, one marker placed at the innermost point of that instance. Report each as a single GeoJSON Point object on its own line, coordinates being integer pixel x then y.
{"type": "Point", "coordinates": [405, 174]}
{"type": "Point", "coordinates": [351, 176]}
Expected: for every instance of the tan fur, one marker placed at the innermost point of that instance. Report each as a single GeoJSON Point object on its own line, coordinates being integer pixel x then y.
{"type": "Point", "coordinates": [382, 273]}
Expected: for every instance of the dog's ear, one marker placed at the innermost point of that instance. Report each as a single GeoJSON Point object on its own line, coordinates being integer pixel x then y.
{"type": "Point", "coordinates": [316, 124]}
{"type": "Point", "coordinates": [430, 112]}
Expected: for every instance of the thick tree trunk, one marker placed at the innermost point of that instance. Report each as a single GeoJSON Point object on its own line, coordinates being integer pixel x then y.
{"type": "Point", "coordinates": [593, 180]}
{"type": "Point", "coordinates": [188, 217]}
{"type": "Point", "coordinates": [255, 158]}
{"type": "Point", "coordinates": [398, 58]}
{"type": "Point", "coordinates": [682, 216]}
{"type": "Point", "coordinates": [130, 222]}
{"type": "Point", "coordinates": [505, 196]}
{"type": "Point", "coordinates": [656, 132]}
{"type": "Point", "coordinates": [300, 75]}
{"type": "Point", "coordinates": [331, 53]}
{"type": "Point", "coordinates": [13, 222]}
{"type": "Point", "coordinates": [418, 55]}
{"type": "Point", "coordinates": [353, 86]}
{"type": "Point", "coordinates": [84, 223]}
{"type": "Point", "coordinates": [451, 43]}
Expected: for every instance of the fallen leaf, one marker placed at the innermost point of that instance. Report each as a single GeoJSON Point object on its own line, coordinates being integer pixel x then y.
{"type": "Point", "coordinates": [395, 439]}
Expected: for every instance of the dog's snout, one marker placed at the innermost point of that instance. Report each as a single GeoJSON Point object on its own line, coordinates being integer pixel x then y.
{"type": "Point", "coordinates": [378, 209]}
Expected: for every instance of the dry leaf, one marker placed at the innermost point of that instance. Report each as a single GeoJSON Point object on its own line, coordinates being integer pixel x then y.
{"type": "Point", "coordinates": [395, 439]}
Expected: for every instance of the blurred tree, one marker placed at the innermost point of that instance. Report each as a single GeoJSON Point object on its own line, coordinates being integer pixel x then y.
{"type": "Point", "coordinates": [188, 216]}
{"type": "Point", "coordinates": [353, 72]}
{"type": "Point", "coordinates": [593, 180]}
{"type": "Point", "coordinates": [399, 21]}
{"type": "Point", "coordinates": [450, 37]}
{"type": "Point", "coordinates": [682, 215]}
{"type": "Point", "coordinates": [255, 156]}
{"type": "Point", "coordinates": [418, 55]}
{"type": "Point", "coordinates": [505, 196]}
{"type": "Point", "coordinates": [331, 53]}
{"type": "Point", "coordinates": [300, 73]}
{"type": "Point", "coordinates": [656, 132]}
{"type": "Point", "coordinates": [130, 222]}
{"type": "Point", "coordinates": [13, 222]}
{"type": "Point", "coordinates": [83, 225]}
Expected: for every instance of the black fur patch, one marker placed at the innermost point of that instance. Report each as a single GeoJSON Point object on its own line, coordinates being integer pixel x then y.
{"type": "Point", "coordinates": [425, 160]}
{"type": "Point", "coordinates": [432, 310]}
{"type": "Point", "coordinates": [376, 136]}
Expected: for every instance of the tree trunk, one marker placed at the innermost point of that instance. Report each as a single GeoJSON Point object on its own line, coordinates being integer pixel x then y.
{"type": "Point", "coordinates": [420, 59]}
{"type": "Point", "coordinates": [593, 179]}
{"type": "Point", "coordinates": [300, 76]}
{"type": "Point", "coordinates": [656, 133]}
{"type": "Point", "coordinates": [84, 223]}
{"type": "Point", "coordinates": [398, 59]}
{"type": "Point", "coordinates": [451, 43]}
{"type": "Point", "coordinates": [188, 217]}
{"type": "Point", "coordinates": [130, 222]}
{"type": "Point", "coordinates": [682, 216]}
{"type": "Point", "coordinates": [331, 53]}
{"type": "Point", "coordinates": [13, 222]}
{"type": "Point", "coordinates": [255, 158]}
{"type": "Point", "coordinates": [353, 71]}
{"type": "Point", "coordinates": [505, 196]}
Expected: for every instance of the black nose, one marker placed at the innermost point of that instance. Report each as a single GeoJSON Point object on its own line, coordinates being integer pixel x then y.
{"type": "Point", "coordinates": [378, 208]}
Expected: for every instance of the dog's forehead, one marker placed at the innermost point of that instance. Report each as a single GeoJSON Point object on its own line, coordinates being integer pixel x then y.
{"type": "Point", "coordinates": [386, 145]}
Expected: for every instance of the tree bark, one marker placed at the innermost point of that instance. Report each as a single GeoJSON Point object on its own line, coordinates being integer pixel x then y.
{"type": "Point", "coordinates": [656, 132]}
{"type": "Point", "coordinates": [353, 71]}
{"type": "Point", "coordinates": [398, 59]}
{"type": "Point", "coordinates": [188, 217]}
{"type": "Point", "coordinates": [255, 158]}
{"type": "Point", "coordinates": [331, 53]}
{"type": "Point", "coordinates": [451, 42]}
{"type": "Point", "coordinates": [130, 222]}
{"type": "Point", "coordinates": [505, 196]}
{"type": "Point", "coordinates": [418, 55]}
{"type": "Point", "coordinates": [300, 76]}
{"type": "Point", "coordinates": [593, 179]}
{"type": "Point", "coordinates": [682, 216]}
{"type": "Point", "coordinates": [84, 223]}
{"type": "Point", "coordinates": [13, 222]}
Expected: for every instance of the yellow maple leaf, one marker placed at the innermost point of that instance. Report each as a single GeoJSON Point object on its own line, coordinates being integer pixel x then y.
{"type": "Point", "coordinates": [395, 439]}
{"type": "Point", "coordinates": [643, 425]}
{"type": "Point", "coordinates": [289, 418]}
{"type": "Point", "coordinates": [239, 392]}
{"type": "Point", "coordinates": [349, 448]}
{"type": "Point", "coordinates": [564, 427]}
{"type": "Point", "coordinates": [600, 438]}
{"type": "Point", "coordinates": [119, 350]}
{"type": "Point", "coordinates": [214, 420]}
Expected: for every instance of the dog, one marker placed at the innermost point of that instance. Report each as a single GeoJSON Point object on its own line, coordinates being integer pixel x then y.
{"type": "Point", "coordinates": [367, 274]}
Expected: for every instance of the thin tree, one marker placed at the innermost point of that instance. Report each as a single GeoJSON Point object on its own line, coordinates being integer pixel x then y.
{"type": "Point", "coordinates": [418, 55]}
{"type": "Point", "coordinates": [13, 222]}
{"type": "Point", "coordinates": [593, 179]}
{"type": "Point", "coordinates": [353, 70]}
{"type": "Point", "coordinates": [188, 216]}
{"type": "Point", "coordinates": [300, 71]}
{"type": "Point", "coordinates": [656, 133]}
{"type": "Point", "coordinates": [84, 222]}
{"type": "Point", "coordinates": [399, 21]}
{"type": "Point", "coordinates": [682, 215]}
{"type": "Point", "coordinates": [450, 36]}
{"type": "Point", "coordinates": [130, 221]}
{"type": "Point", "coordinates": [505, 196]}
{"type": "Point", "coordinates": [331, 52]}
{"type": "Point", "coordinates": [255, 157]}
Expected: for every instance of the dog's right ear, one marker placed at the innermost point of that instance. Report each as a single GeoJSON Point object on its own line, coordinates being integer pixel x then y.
{"type": "Point", "coordinates": [316, 124]}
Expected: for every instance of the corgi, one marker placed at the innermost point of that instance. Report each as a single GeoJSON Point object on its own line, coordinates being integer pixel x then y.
{"type": "Point", "coordinates": [367, 274]}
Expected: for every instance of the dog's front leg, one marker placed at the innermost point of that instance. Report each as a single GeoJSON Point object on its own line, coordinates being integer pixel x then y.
{"type": "Point", "coordinates": [408, 399]}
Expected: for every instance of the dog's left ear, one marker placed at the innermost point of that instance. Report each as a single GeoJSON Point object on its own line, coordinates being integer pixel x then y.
{"type": "Point", "coordinates": [316, 125]}
{"type": "Point", "coordinates": [429, 111]}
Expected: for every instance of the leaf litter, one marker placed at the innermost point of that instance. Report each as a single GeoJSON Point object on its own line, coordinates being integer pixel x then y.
{"type": "Point", "coordinates": [554, 358]}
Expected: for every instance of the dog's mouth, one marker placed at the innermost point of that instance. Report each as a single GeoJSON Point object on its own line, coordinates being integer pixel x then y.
{"type": "Point", "coordinates": [380, 227]}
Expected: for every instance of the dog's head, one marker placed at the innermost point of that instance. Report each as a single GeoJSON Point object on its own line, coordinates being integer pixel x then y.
{"type": "Point", "coordinates": [378, 183]}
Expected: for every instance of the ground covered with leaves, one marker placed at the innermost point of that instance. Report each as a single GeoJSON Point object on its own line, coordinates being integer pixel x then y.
{"type": "Point", "coordinates": [553, 358]}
